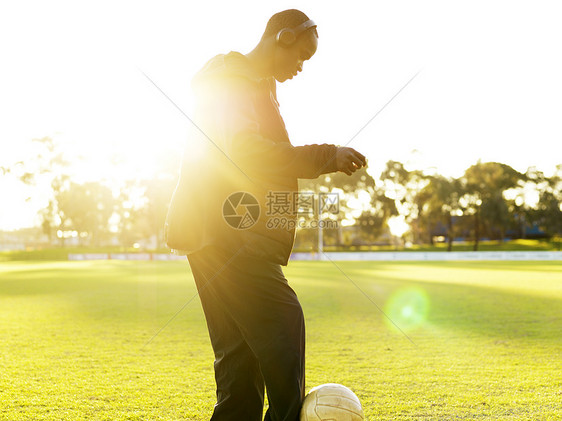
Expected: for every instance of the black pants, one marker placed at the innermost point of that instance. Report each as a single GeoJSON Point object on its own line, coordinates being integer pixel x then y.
{"type": "Point", "coordinates": [256, 326]}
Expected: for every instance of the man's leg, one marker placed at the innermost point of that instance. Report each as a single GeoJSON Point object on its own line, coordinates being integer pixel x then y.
{"type": "Point", "coordinates": [240, 387]}
{"type": "Point", "coordinates": [269, 316]}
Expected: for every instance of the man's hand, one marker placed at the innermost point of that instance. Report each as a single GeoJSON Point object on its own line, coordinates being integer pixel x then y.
{"type": "Point", "coordinates": [348, 160]}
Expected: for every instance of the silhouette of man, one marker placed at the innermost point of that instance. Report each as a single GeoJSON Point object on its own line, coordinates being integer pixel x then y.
{"type": "Point", "coordinates": [254, 318]}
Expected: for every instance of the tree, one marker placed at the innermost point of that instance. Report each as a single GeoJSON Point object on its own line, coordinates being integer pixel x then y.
{"type": "Point", "coordinates": [53, 216]}
{"type": "Point", "coordinates": [483, 185]}
{"type": "Point", "coordinates": [403, 186]}
{"type": "Point", "coordinates": [522, 200]}
{"type": "Point", "coordinates": [349, 190]}
{"type": "Point", "coordinates": [44, 166]}
{"type": "Point", "coordinates": [372, 222]}
{"type": "Point", "coordinates": [129, 211]}
{"type": "Point", "coordinates": [48, 221]}
{"type": "Point", "coordinates": [495, 213]}
{"type": "Point", "coordinates": [438, 202]}
{"type": "Point", "coordinates": [47, 160]}
{"type": "Point", "coordinates": [157, 193]}
{"type": "Point", "coordinates": [86, 208]}
{"type": "Point", "coordinates": [548, 212]}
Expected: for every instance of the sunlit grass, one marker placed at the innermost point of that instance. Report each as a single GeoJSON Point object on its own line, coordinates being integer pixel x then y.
{"type": "Point", "coordinates": [478, 340]}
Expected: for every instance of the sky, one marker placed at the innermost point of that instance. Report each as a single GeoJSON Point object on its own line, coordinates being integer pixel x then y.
{"type": "Point", "coordinates": [488, 83]}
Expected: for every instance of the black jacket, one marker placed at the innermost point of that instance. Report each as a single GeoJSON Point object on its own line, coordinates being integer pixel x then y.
{"type": "Point", "coordinates": [240, 144]}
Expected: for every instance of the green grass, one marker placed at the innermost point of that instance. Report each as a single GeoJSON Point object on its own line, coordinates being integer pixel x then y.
{"type": "Point", "coordinates": [61, 253]}
{"type": "Point", "coordinates": [480, 340]}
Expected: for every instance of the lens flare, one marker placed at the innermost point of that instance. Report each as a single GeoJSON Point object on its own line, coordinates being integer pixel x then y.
{"type": "Point", "coordinates": [408, 308]}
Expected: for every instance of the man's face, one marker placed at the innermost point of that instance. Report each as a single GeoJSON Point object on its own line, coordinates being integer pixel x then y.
{"type": "Point", "coordinates": [288, 61]}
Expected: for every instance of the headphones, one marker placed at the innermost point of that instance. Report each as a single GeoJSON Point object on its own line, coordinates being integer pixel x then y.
{"type": "Point", "coordinates": [288, 36]}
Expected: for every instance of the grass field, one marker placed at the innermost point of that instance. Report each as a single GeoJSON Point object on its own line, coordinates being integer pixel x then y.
{"type": "Point", "coordinates": [479, 340]}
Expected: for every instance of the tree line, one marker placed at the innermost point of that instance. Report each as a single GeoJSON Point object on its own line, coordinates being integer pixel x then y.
{"type": "Point", "coordinates": [94, 212]}
{"type": "Point", "coordinates": [490, 200]}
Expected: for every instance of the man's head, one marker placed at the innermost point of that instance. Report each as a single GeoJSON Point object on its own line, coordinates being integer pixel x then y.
{"type": "Point", "coordinates": [293, 39]}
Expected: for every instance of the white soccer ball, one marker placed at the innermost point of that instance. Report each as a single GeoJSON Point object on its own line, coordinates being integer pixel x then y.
{"type": "Point", "coordinates": [331, 402]}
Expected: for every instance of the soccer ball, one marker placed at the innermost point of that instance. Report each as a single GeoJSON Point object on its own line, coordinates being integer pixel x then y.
{"type": "Point", "coordinates": [331, 402]}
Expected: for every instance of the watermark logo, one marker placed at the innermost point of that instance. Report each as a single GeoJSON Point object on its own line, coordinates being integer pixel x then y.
{"type": "Point", "coordinates": [329, 202]}
{"type": "Point", "coordinates": [283, 209]}
{"type": "Point", "coordinates": [241, 210]}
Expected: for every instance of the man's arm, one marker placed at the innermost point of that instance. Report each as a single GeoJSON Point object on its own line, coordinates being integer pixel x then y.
{"type": "Point", "coordinates": [259, 155]}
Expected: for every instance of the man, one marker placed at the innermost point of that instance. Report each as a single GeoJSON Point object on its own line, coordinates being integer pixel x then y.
{"type": "Point", "coordinates": [255, 320]}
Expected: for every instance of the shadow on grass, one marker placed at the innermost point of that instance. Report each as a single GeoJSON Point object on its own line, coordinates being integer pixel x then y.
{"type": "Point", "coordinates": [473, 302]}
{"type": "Point", "coordinates": [495, 312]}
{"type": "Point", "coordinates": [36, 278]}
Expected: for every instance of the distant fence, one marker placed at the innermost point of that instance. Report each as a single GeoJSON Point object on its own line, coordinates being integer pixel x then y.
{"type": "Point", "coordinates": [125, 256]}
{"type": "Point", "coordinates": [357, 256]}
{"type": "Point", "coordinates": [431, 256]}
